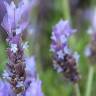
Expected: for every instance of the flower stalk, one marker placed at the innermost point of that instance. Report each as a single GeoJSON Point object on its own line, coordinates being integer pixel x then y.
{"type": "Point", "coordinates": [89, 82]}
{"type": "Point", "coordinates": [66, 9]}
{"type": "Point", "coordinates": [77, 90]}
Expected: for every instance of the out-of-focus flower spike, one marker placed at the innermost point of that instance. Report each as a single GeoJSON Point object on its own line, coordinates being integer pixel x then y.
{"type": "Point", "coordinates": [64, 60]}
{"type": "Point", "coordinates": [90, 50]}
{"type": "Point", "coordinates": [92, 18]}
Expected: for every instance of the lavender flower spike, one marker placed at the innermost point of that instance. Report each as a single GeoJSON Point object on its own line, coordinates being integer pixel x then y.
{"type": "Point", "coordinates": [90, 50]}
{"type": "Point", "coordinates": [64, 59]}
{"type": "Point", "coordinates": [20, 74]}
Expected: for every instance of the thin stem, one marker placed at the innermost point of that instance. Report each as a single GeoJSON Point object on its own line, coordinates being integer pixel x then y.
{"type": "Point", "coordinates": [77, 90]}
{"type": "Point", "coordinates": [66, 9]}
{"type": "Point", "coordinates": [89, 82]}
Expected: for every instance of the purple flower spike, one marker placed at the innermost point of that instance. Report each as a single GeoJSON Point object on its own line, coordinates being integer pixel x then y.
{"type": "Point", "coordinates": [90, 50]}
{"type": "Point", "coordinates": [20, 74]}
{"type": "Point", "coordinates": [64, 60]}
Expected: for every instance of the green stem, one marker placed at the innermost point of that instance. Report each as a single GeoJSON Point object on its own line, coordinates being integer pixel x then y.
{"type": "Point", "coordinates": [77, 91]}
{"type": "Point", "coordinates": [89, 82]}
{"type": "Point", "coordinates": [66, 9]}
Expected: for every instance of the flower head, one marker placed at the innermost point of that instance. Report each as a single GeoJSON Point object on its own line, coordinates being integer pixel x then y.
{"type": "Point", "coordinates": [64, 59]}
{"type": "Point", "coordinates": [20, 73]}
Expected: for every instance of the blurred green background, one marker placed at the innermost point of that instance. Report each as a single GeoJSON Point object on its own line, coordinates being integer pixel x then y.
{"type": "Point", "coordinates": [44, 16]}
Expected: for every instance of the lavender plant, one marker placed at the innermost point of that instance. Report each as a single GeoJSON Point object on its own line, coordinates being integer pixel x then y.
{"type": "Point", "coordinates": [64, 60]}
{"type": "Point", "coordinates": [20, 77]}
